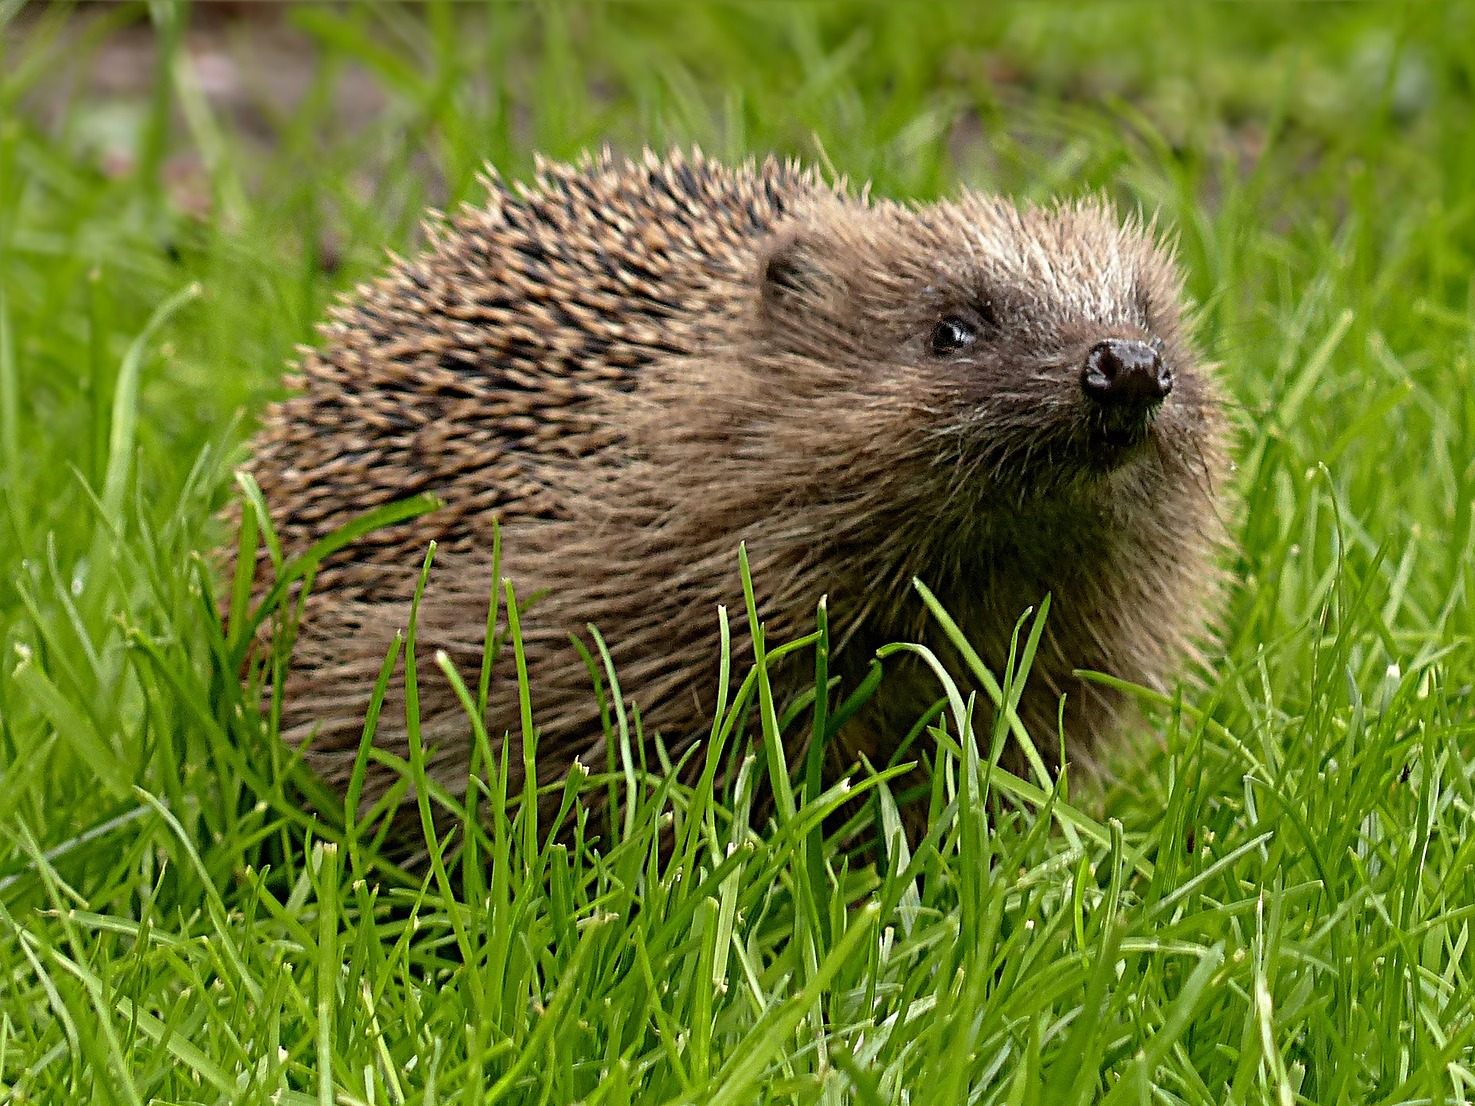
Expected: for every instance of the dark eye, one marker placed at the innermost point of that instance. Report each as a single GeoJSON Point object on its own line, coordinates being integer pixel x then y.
{"type": "Point", "coordinates": [952, 334]}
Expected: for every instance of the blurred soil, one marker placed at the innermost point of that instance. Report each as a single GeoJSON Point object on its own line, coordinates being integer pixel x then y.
{"type": "Point", "coordinates": [248, 63]}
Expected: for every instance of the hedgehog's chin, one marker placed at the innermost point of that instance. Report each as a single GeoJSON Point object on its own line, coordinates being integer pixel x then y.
{"type": "Point", "coordinates": [1123, 439]}
{"type": "Point", "coordinates": [1107, 457]}
{"type": "Point", "coordinates": [1115, 444]}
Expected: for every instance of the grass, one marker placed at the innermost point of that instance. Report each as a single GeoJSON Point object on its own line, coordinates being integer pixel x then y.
{"type": "Point", "coordinates": [1274, 905]}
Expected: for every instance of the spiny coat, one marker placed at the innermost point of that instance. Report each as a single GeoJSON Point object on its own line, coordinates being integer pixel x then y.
{"type": "Point", "coordinates": [633, 366]}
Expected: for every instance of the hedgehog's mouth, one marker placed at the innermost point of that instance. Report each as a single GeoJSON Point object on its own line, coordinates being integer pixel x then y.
{"type": "Point", "coordinates": [1122, 438]}
{"type": "Point", "coordinates": [1115, 439]}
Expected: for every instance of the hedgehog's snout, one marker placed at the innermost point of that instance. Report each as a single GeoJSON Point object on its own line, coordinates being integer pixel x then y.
{"type": "Point", "coordinates": [1125, 381]}
{"type": "Point", "coordinates": [1123, 373]}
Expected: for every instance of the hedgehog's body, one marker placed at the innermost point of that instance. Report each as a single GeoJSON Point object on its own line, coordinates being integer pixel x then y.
{"type": "Point", "coordinates": [634, 368]}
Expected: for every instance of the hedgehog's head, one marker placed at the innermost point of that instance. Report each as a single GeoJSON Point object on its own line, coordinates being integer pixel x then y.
{"type": "Point", "coordinates": [1037, 348]}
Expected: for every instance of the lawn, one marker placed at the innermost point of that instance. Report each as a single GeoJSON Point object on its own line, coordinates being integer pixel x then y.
{"type": "Point", "coordinates": [1268, 896]}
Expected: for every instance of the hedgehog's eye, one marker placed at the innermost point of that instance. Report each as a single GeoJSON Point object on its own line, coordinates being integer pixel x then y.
{"type": "Point", "coordinates": [952, 334]}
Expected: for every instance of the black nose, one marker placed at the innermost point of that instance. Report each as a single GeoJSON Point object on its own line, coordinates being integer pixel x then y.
{"type": "Point", "coordinates": [1121, 373]}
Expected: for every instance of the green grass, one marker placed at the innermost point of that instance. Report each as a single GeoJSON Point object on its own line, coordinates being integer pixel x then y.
{"type": "Point", "coordinates": [1274, 905]}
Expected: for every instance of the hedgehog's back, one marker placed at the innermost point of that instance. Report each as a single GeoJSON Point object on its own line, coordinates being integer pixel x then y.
{"type": "Point", "coordinates": [478, 370]}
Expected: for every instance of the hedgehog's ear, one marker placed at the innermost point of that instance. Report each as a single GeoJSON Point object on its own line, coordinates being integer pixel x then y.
{"type": "Point", "coordinates": [789, 270]}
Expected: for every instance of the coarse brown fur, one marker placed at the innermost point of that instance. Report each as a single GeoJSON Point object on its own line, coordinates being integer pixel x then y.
{"type": "Point", "coordinates": [635, 366]}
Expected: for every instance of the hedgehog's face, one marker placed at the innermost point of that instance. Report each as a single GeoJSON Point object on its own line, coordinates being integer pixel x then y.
{"type": "Point", "coordinates": [1040, 348]}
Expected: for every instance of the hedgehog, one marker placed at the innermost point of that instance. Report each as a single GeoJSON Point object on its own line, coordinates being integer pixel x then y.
{"type": "Point", "coordinates": [631, 367]}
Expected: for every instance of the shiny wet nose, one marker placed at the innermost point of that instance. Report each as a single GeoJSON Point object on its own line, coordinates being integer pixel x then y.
{"type": "Point", "coordinates": [1122, 374]}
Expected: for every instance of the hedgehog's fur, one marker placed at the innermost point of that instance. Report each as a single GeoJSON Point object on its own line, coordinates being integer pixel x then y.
{"type": "Point", "coordinates": [635, 366]}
